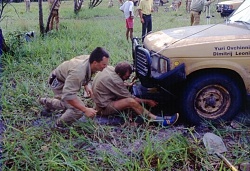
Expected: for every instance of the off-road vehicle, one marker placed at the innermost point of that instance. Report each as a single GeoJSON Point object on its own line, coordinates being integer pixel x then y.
{"type": "Point", "coordinates": [203, 70]}
{"type": "Point", "coordinates": [225, 8]}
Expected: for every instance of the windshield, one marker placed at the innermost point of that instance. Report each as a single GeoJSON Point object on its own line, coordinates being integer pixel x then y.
{"type": "Point", "coordinates": [242, 14]}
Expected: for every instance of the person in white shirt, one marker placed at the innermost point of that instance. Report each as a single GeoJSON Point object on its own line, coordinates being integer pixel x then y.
{"type": "Point", "coordinates": [128, 9]}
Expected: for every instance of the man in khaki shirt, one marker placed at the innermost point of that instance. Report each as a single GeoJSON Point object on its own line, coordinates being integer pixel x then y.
{"type": "Point", "coordinates": [145, 9]}
{"type": "Point", "coordinates": [111, 95]}
{"type": "Point", "coordinates": [67, 80]}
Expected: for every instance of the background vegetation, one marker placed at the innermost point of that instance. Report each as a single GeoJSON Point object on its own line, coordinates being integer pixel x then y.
{"type": "Point", "coordinates": [29, 141]}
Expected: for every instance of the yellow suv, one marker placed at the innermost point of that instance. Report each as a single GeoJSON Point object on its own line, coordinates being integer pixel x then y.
{"type": "Point", "coordinates": [203, 71]}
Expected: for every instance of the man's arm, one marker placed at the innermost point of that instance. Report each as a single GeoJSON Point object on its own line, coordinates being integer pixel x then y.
{"type": "Point", "coordinates": [89, 112]}
{"type": "Point", "coordinates": [140, 14]}
{"type": "Point", "coordinates": [130, 14]}
{"type": "Point", "coordinates": [88, 90]}
{"type": "Point", "coordinates": [208, 2]}
{"type": "Point", "coordinates": [122, 8]}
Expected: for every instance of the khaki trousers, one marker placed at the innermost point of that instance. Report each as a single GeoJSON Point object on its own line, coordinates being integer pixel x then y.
{"type": "Point", "coordinates": [71, 114]}
{"type": "Point", "coordinates": [195, 18]}
{"type": "Point", "coordinates": [54, 17]}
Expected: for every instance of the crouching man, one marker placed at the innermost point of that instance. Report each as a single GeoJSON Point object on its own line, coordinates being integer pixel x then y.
{"type": "Point", "coordinates": [66, 81]}
{"type": "Point", "coordinates": [111, 95]}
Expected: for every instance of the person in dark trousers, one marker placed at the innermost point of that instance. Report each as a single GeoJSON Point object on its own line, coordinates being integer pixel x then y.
{"type": "Point", "coordinates": [145, 9]}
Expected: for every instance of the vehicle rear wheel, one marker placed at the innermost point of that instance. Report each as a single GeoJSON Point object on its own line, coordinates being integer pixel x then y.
{"type": "Point", "coordinates": [211, 96]}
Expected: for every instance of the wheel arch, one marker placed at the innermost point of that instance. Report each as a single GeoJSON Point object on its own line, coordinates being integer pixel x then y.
{"type": "Point", "coordinates": [217, 71]}
{"type": "Point", "coordinates": [233, 74]}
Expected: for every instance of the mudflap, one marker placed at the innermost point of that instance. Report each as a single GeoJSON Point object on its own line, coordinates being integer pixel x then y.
{"type": "Point", "coordinates": [166, 101]}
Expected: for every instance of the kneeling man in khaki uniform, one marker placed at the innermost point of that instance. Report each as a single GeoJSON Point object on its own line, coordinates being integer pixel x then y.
{"type": "Point", "coordinates": [111, 95]}
{"type": "Point", "coordinates": [67, 80]}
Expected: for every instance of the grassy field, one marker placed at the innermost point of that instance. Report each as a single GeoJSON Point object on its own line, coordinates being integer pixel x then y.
{"type": "Point", "coordinates": [29, 142]}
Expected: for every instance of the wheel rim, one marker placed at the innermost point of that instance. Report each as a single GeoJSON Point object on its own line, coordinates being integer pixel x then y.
{"type": "Point", "coordinates": [212, 101]}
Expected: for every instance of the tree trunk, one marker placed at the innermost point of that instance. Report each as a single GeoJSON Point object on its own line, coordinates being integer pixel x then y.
{"type": "Point", "coordinates": [3, 46]}
{"type": "Point", "coordinates": [50, 15]}
{"type": "Point", "coordinates": [94, 3]}
{"type": "Point", "coordinates": [41, 17]}
{"type": "Point", "coordinates": [77, 5]}
{"type": "Point", "coordinates": [1, 42]}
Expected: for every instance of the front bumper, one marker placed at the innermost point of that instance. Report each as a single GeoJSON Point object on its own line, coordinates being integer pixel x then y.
{"type": "Point", "coordinates": [153, 69]}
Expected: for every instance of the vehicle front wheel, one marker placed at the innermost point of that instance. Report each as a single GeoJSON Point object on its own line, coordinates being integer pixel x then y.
{"type": "Point", "coordinates": [211, 96]}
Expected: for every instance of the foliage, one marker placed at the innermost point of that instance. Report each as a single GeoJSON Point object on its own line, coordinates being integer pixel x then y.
{"type": "Point", "coordinates": [29, 140]}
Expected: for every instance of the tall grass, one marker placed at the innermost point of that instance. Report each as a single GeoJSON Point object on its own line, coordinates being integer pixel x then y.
{"type": "Point", "coordinates": [29, 141]}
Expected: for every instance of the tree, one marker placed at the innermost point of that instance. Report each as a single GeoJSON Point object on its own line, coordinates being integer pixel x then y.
{"type": "Point", "coordinates": [3, 45]}
{"type": "Point", "coordinates": [41, 25]}
{"type": "Point", "coordinates": [77, 5]}
{"type": "Point", "coordinates": [50, 15]}
{"type": "Point", "coordinates": [94, 3]}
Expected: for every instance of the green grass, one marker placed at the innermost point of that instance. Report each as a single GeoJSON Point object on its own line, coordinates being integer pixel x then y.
{"type": "Point", "coordinates": [29, 143]}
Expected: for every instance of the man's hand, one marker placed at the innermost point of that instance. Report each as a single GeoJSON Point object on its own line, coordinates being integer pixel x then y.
{"type": "Point", "coordinates": [88, 90]}
{"type": "Point", "coordinates": [142, 20]}
{"type": "Point", "coordinates": [129, 84]}
{"type": "Point", "coordinates": [90, 112]}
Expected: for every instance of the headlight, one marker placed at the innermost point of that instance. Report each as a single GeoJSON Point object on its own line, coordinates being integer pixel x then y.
{"type": "Point", "coordinates": [159, 62]}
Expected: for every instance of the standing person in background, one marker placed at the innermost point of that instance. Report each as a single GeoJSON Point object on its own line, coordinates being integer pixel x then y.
{"type": "Point", "coordinates": [188, 3]}
{"type": "Point", "coordinates": [54, 13]}
{"type": "Point", "coordinates": [27, 3]}
{"type": "Point", "coordinates": [128, 9]}
{"type": "Point", "coordinates": [196, 8]}
{"type": "Point", "coordinates": [145, 9]}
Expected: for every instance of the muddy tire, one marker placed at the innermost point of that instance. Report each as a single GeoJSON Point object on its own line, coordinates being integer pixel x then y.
{"type": "Point", "coordinates": [211, 97]}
